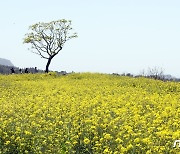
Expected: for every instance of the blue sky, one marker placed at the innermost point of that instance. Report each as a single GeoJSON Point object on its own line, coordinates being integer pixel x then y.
{"type": "Point", "coordinates": [114, 36]}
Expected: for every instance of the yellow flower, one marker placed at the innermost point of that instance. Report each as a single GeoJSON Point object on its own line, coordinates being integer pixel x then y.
{"type": "Point", "coordinates": [106, 151]}
{"type": "Point", "coordinates": [75, 142]}
{"type": "Point", "coordinates": [27, 132]}
{"type": "Point", "coordinates": [107, 136]}
{"type": "Point", "coordinates": [7, 142]}
{"type": "Point", "coordinates": [96, 112]}
{"type": "Point", "coordinates": [129, 147]}
{"type": "Point", "coordinates": [118, 140]}
{"type": "Point", "coordinates": [86, 141]}
{"type": "Point", "coordinates": [148, 152]}
{"type": "Point", "coordinates": [137, 140]}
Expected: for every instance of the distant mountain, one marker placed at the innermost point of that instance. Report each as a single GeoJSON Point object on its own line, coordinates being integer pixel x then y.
{"type": "Point", "coordinates": [5, 62]}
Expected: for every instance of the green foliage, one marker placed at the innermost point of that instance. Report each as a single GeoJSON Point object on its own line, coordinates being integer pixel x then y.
{"type": "Point", "coordinates": [49, 38]}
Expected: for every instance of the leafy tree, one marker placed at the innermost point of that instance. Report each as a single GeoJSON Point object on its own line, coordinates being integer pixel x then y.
{"type": "Point", "coordinates": [49, 38]}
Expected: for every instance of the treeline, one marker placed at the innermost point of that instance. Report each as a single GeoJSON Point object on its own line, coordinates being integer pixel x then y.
{"type": "Point", "coordinates": [5, 69]}
{"type": "Point", "coordinates": [17, 70]}
{"type": "Point", "coordinates": [155, 77]}
{"type": "Point", "coordinates": [152, 73]}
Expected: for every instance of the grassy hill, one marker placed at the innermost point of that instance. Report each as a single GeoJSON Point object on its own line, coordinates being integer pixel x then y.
{"type": "Point", "coordinates": [88, 113]}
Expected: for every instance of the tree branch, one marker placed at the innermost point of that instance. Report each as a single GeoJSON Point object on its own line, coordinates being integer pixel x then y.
{"type": "Point", "coordinates": [39, 50]}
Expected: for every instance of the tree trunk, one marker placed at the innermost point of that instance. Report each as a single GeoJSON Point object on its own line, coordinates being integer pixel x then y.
{"type": "Point", "coordinates": [47, 65]}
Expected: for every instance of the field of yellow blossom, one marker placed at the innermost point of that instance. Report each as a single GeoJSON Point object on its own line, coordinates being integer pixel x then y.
{"type": "Point", "coordinates": [88, 113]}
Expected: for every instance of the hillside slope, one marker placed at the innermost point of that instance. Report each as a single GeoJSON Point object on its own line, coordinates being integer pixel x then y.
{"type": "Point", "coordinates": [88, 113]}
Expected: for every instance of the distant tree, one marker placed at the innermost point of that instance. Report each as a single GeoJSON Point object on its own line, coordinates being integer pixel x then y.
{"type": "Point", "coordinates": [49, 38]}
{"type": "Point", "coordinates": [156, 73]}
{"type": "Point", "coordinates": [5, 69]}
{"type": "Point", "coordinates": [142, 73]}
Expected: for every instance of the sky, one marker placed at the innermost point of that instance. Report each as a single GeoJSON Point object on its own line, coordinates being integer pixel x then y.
{"type": "Point", "coordinates": [114, 36]}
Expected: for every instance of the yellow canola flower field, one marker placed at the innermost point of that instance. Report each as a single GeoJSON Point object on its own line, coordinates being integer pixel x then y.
{"type": "Point", "coordinates": [88, 113]}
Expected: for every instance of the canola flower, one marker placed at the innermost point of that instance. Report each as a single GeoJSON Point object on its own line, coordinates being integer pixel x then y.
{"type": "Point", "coordinates": [88, 113]}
